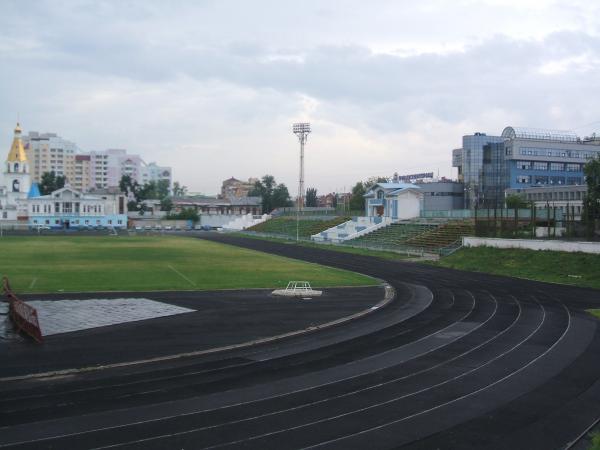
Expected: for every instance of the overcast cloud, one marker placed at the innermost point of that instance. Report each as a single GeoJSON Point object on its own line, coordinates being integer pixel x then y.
{"type": "Point", "coordinates": [212, 87]}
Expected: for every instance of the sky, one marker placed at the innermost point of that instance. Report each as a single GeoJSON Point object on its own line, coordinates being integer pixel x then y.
{"type": "Point", "coordinates": [212, 87]}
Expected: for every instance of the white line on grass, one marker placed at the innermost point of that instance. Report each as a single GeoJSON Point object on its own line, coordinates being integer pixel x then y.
{"type": "Point", "coordinates": [32, 283]}
{"type": "Point", "coordinates": [181, 275]}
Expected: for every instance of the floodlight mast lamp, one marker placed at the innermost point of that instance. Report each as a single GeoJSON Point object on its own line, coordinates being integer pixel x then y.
{"type": "Point", "coordinates": [301, 130]}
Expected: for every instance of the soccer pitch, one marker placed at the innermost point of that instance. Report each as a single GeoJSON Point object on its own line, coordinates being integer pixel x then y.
{"type": "Point", "coordinates": [109, 263]}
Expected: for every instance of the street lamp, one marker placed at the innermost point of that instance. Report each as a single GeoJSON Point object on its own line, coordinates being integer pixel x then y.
{"type": "Point", "coordinates": [300, 129]}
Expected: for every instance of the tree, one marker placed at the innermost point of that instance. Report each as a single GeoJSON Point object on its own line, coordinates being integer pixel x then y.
{"type": "Point", "coordinates": [178, 190]}
{"type": "Point", "coordinates": [357, 201]}
{"type": "Point", "coordinates": [50, 182]}
{"type": "Point", "coordinates": [166, 204]}
{"type": "Point", "coordinates": [311, 197]}
{"type": "Point", "coordinates": [162, 189]}
{"type": "Point", "coordinates": [129, 186]}
{"type": "Point", "coordinates": [372, 181]}
{"type": "Point", "coordinates": [281, 197]}
{"type": "Point", "coordinates": [515, 201]}
{"type": "Point", "coordinates": [185, 214]}
{"type": "Point", "coordinates": [273, 195]}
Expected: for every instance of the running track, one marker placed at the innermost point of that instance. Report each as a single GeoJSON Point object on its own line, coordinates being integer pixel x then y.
{"type": "Point", "coordinates": [459, 360]}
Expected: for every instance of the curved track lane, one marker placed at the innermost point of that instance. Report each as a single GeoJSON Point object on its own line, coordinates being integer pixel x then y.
{"type": "Point", "coordinates": [458, 360]}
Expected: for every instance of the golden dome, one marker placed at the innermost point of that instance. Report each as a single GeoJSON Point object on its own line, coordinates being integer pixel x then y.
{"type": "Point", "coordinates": [17, 151]}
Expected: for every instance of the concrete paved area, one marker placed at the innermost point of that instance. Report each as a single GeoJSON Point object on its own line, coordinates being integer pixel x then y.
{"type": "Point", "coordinates": [64, 316]}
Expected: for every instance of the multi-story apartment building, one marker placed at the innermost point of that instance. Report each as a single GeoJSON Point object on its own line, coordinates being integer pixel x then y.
{"type": "Point", "coordinates": [83, 173]}
{"type": "Point", "coordinates": [48, 152]}
{"type": "Point", "coordinates": [154, 172]}
{"type": "Point", "coordinates": [522, 158]}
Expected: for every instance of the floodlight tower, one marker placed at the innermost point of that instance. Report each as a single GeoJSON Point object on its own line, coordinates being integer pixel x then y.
{"type": "Point", "coordinates": [301, 130]}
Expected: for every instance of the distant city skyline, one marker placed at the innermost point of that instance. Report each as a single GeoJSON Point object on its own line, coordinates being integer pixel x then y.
{"type": "Point", "coordinates": [213, 88]}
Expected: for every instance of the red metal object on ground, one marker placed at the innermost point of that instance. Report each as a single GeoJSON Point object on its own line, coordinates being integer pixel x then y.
{"type": "Point", "coordinates": [24, 317]}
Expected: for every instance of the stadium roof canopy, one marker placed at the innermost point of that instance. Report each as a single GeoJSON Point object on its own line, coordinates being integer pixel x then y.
{"type": "Point", "coordinates": [539, 134]}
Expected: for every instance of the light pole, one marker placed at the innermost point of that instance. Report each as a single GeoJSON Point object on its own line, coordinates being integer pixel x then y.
{"type": "Point", "coordinates": [301, 130]}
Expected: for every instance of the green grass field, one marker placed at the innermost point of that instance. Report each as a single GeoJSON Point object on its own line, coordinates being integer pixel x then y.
{"type": "Point", "coordinates": [578, 269]}
{"type": "Point", "coordinates": [306, 227]}
{"type": "Point", "coordinates": [79, 264]}
{"type": "Point", "coordinates": [595, 312]}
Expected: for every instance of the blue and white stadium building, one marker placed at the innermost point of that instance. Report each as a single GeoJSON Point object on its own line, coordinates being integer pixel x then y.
{"type": "Point", "coordinates": [68, 208]}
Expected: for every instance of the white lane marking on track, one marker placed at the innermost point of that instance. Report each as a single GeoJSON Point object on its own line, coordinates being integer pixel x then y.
{"type": "Point", "coordinates": [32, 283]}
{"type": "Point", "coordinates": [456, 399]}
{"type": "Point", "coordinates": [328, 419]}
{"type": "Point", "coordinates": [261, 399]}
{"type": "Point", "coordinates": [337, 396]}
{"type": "Point", "coordinates": [181, 275]}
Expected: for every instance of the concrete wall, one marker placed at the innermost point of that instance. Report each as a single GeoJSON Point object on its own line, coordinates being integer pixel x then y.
{"type": "Point", "coordinates": [217, 220]}
{"type": "Point", "coordinates": [183, 224]}
{"type": "Point", "coordinates": [561, 246]}
{"type": "Point", "coordinates": [442, 196]}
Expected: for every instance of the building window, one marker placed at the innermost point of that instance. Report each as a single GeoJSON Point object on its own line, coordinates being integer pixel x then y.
{"type": "Point", "coordinates": [523, 165]}
{"type": "Point", "coordinates": [537, 165]}
{"type": "Point", "coordinates": [557, 166]}
{"type": "Point", "coordinates": [523, 179]}
{"type": "Point", "coordinates": [539, 179]}
{"type": "Point", "coordinates": [573, 168]}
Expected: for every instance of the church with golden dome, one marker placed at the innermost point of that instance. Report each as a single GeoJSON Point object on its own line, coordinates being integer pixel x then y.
{"type": "Point", "coordinates": [15, 182]}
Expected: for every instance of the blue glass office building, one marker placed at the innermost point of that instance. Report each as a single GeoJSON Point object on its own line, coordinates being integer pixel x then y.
{"type": "Point", "coordinates": [521, 158]}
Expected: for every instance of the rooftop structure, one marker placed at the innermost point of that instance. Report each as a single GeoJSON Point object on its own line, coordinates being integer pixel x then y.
{"type": "Point", "coordinates": [539, 134]}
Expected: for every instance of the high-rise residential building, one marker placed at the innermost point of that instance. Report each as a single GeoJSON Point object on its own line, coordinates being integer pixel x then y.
{"type": "Point", "coordinates": [154, 172]}
{"type": "Point", "coordinates": [83, 173]}
{"type": "Point", "coordinates": [48, 152]}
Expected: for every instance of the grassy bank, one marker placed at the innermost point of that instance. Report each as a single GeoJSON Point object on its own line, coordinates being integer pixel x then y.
{"type": "Point", "coordinates": [578, 269]}
{"type": "Point", "coordinates": [337, 248]}
{"type": "Point", "coordinates": [57, 263]}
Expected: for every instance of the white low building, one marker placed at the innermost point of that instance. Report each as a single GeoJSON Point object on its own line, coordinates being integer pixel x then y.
{"type": "Point", "coordinates": [69, 208]}
{"type": "Point", "coordinates": [397, 201]}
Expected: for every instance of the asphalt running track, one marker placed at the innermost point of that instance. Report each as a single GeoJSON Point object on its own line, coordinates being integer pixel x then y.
{"type": "Point", "coordinates": [458, 360]}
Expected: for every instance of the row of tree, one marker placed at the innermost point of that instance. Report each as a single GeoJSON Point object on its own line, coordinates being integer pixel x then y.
{"type": "Point", "coordinates": [273, 194]}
